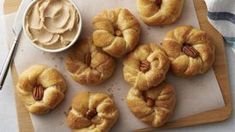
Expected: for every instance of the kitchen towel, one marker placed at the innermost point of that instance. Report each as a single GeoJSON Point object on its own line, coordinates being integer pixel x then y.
{"type": "Point", "coordinates": [221, 14]}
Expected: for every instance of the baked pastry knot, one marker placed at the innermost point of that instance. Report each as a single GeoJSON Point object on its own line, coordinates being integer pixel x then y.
{"type": "Point", "coordinates": [88, 65]}
{"type": "Point", "coordinates": [159, 12]}
{"type": "Point", "coordinates": [92, 112]}
{"type": "Point", "coordinates": [116, 31]}
{"type": "Point", "coordinates": [153, 106]}
{"type": "Point", "coordinates": [190, 51]}
{"type": "Point", "coordinates": [41, 88]}
{"type": "Point", "coordinates": [146, 66]}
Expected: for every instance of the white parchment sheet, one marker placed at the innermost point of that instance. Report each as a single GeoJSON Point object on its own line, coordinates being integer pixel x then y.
{"type": "Point", "coordinates": [195, 95]}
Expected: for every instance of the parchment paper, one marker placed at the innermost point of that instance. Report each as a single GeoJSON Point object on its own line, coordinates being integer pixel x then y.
{"type": "Point", "coordinates": [195, 95]}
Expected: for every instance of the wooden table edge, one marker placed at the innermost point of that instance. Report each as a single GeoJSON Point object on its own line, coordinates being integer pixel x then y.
{"type": "Point", "coordinates": [205, 25]}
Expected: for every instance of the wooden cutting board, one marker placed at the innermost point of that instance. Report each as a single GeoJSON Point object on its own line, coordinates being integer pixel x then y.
{"type": "Point", "coordinates": [220, 67]}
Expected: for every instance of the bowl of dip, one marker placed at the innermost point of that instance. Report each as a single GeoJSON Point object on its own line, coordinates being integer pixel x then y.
{"type": "Point", "coordinates": [52, 25]}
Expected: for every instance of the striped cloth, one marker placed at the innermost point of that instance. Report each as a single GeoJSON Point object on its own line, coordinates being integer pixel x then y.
{"type": "Point", "coordinates": [221, 14]}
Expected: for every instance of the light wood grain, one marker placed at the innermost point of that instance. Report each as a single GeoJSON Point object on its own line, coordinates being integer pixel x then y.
{"type": "Point", "coordinates": [220, 67]}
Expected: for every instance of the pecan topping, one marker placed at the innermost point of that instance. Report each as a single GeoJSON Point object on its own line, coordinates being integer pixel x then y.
{"type": "Point", "coordinates": [38, 92]}
{"type": "Point", "coordinates": [190, 51]}
{"type": "Point", "coordinates": [158, 2]}
{"type": "Point", "coordinates": [144, 66]}
{"type": "Point", "coordinates": [87, 59]}
{"type": "Point", "coordinates": [91, 113]}
{"type": "Point", "coordinates": [118, 33]}
{"type": "Point", "coordinates": [150, 102]}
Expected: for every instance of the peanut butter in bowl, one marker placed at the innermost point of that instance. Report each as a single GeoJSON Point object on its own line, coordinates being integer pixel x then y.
{"type": "Point", "coordinates": [52, 25]}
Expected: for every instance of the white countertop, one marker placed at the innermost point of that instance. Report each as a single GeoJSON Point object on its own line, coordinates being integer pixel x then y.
{"type": "Point", "coordinates": [7, 102]}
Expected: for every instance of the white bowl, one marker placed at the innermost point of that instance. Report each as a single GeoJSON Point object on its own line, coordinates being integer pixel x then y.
{"type": "Point", "coordinates": [60, 49]}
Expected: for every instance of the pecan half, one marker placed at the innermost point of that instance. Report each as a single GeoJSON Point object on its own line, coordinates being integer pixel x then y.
{"type": "Point", "coordinates": [118, 33]}
{"type": "Point", "coordinates": [158, 2]}
{"type": "Point", "coordinates": [87, 59]}
{"type": "Point", "coordinates": [38, 92]}
{"type": "Point", "coordinates": [144, 66]}
{"type": "Point", "coordinates": [150, 102]}
{"type": "Point", "coordinates": [91, 113]}
{"type": "Point", "coordinates": [190, 51]}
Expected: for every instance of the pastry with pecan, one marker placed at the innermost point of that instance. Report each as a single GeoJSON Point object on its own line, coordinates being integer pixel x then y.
{"type": "Point", "coordinates": [153, 106]}
{"type": "Point", "coordinates": [92, 112]}
{"type": "Point", "coordinates": [116, 31]}
{"type": "Point", "coordinates": [190, 51]}
{"type": "Point", "coordinates": [146, 66]}
{"type": "Point", "coordinates": [160, 12]}
{"type": "Point", "coordinates": [41, 88]}
{"type": "Point", "coordinates": [89, 65]}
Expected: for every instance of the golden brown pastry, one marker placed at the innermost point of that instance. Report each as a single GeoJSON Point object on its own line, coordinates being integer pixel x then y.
{"type": "Point", "coordinates": [160, 12]}
{"type": "Point", "coordinates": [92, 112]}
{"type": "Point", "coordinates": [41, 88]}
{"type": "Point", "coordinates": [190, 51]}
{"type": "Point", "coordinates": [153, 106]}
{"type": "Point", "coordinates": [116, 31]}
{"type": "Point", "coordinates": [88, 65]}
{"type": "Point", "coordinates": [146, 66]}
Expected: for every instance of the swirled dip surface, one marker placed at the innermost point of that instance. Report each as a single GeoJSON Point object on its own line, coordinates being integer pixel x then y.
{"type": "Point", "coordinates": [52, 24]}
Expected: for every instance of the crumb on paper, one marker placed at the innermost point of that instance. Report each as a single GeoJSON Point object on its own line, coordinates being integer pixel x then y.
{"type": "Point", "coordinates": [111, 95]}
{"type": "Point", "coordinates": [65, 113]}
{"type": "Point", "coordinates": [118, 89]}
{"type": "Point", "coordinates": [61, 58]}
{"type": "Point", "coordinates": [61, 123]}
{"type": "Point", "coordinates": [110, 90]}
